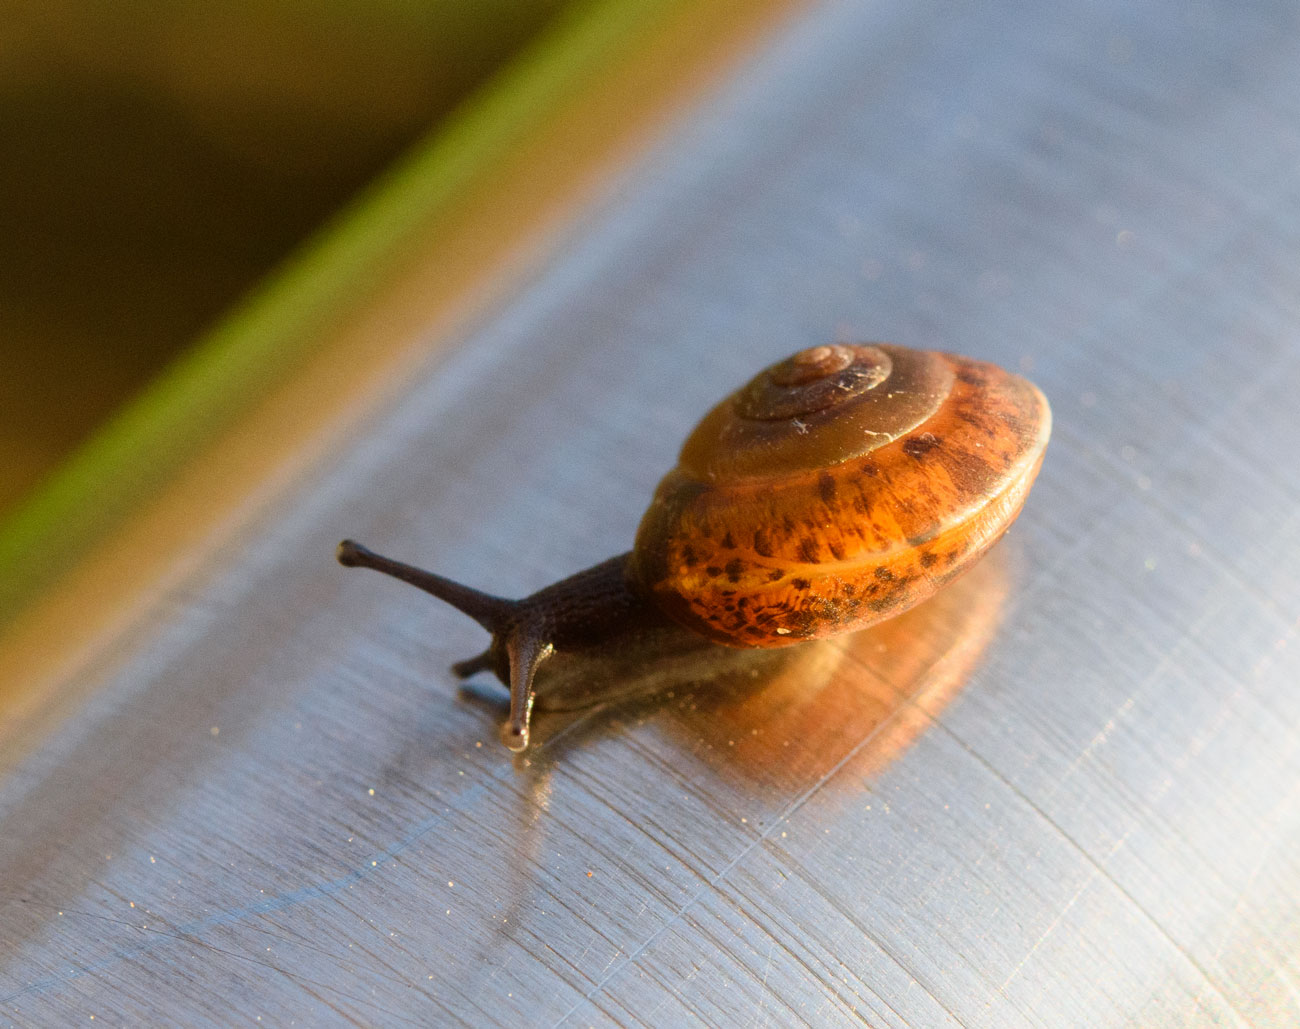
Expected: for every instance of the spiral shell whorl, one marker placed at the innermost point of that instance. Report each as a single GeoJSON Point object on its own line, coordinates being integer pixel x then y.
{"type": "Point", "coordinates": [790, 419]}
{"type": "Point", "coordinates": [836, 489]}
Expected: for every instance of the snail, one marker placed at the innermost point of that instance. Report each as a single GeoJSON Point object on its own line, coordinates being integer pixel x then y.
{"type": "Point", "coordinates": [836, 489]}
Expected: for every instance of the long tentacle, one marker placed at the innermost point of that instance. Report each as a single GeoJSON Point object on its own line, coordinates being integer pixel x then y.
{"type": "Point", "coordinates": [493, 613]}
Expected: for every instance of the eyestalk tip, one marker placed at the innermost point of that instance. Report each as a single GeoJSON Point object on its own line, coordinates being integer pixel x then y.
{"type": "Point", "coordinates": [349, 553]}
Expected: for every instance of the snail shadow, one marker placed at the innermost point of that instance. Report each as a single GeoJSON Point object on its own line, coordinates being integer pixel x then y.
{"type": "Point", "coordinates": [785, 718]}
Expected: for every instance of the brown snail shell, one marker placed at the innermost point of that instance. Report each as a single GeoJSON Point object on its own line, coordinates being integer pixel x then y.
{"type": "Point", "coordinates": [836, 489]}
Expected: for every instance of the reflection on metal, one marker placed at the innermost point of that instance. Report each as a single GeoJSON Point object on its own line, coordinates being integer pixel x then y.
{"type": "Point", "coordinates": [885, 686]}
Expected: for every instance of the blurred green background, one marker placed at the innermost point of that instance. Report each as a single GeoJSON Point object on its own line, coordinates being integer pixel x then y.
{"type": "Point", "coordinates": [159, 157]}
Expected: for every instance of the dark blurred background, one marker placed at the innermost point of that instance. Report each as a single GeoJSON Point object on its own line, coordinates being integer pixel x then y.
{"type": "Point", "coordinates": [159, 157]}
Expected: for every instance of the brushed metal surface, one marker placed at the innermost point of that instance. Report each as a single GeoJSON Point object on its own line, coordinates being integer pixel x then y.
{"type": "Point", "coordinates": [1067, 794]}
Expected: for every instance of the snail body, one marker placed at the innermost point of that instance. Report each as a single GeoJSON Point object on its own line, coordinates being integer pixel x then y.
{"type": "Point", "coordinates": [838, 488]}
